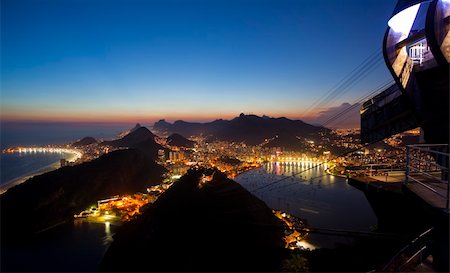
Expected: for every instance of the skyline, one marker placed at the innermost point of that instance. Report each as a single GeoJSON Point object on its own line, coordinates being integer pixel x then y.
{"type": "Point", "coordinates": [141, 61]}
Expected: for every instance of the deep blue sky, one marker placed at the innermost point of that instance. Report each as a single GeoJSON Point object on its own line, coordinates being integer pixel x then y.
{"type": "Point", "coordinates": [194, 60]}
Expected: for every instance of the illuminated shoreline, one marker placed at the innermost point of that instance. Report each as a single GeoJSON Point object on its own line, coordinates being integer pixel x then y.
{"type": "Point", "coordinates": [71, 155]}
{"type": "Point", "coordinates": [74, 152]}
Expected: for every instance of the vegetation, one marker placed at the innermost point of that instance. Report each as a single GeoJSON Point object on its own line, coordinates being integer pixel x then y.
{"type": "Point", "coordinates": [296, 263]}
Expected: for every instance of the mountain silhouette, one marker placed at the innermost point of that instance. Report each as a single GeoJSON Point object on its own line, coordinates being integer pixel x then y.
{"type": "Point", "coordinates": [189, 128]}
{"type": "Point", "coordinates": [250, 129]}
{"type": "Point", "coordinates": [84, 142]}
{"type": "Point", "coordinates": [140, 138]}
{"type": "Point", "coordinates": [180, 141]}
{"type": "Point", "coordinates": [138, 135]}
{"type": "Point", "coordinates": [137, 126]}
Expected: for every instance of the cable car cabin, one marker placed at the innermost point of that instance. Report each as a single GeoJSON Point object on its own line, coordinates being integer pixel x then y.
{"type": "Point", "coordinates": [416, 49]}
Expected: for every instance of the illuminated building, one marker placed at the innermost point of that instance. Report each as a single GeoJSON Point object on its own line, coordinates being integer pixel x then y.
{"type": "Point", "coordinates": [63, 162]}
{"type": "Point", "coordinates": [161, 155]}
{"type": "Point", "coordinates": [176, 156]}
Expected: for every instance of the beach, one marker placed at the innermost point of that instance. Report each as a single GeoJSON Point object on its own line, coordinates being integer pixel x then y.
{"type": "Point", "coordinates": [71, 157]}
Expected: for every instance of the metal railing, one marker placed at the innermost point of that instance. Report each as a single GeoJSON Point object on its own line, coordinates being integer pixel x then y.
{"type": "Point", "coordinates": [412, 254]}
{"type": "Point", "coordinates": [428, 166]}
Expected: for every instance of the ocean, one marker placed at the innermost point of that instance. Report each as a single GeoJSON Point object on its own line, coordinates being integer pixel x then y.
{"type": "Point", "coordinates": [12, 134]}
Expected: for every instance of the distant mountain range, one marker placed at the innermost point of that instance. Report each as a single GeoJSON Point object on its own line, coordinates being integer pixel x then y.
{"type": "Point", "coordinates": [250, 129]}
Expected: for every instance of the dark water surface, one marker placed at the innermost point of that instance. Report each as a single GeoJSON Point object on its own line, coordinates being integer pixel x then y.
{"type": "Point", "coordinates": [74, 246]}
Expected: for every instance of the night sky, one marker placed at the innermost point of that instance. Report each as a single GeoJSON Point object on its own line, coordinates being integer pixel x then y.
{"type": "Point", "coordinates": [107, 60]}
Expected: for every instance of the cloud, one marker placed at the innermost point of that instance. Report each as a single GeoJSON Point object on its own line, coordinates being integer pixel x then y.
{"type": "Point", "coordinates": [345, 115]}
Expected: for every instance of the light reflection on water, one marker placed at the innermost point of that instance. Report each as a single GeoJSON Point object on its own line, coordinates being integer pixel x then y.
{"type": "Point", "coordinates": [108, 238]}
{"type": "Point", "coordinates": [325, 201]}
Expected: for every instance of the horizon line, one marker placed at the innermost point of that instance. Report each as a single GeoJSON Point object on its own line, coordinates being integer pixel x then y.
{"type": "Point", "coordinates": [137, 119]}
{"type": "Point", "coordinates": [149, 122]}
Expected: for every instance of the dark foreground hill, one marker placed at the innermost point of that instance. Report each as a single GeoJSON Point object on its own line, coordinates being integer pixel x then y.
{"type": "Point", "coordinates": [53, 197]}
{"type": "Point", "coordinates": [195, 226]}
{"type": "Point", "coordinates": [139, 138]}
{"type": "Point", "coordinates": [180, 141]}
{"type": "Point", "coordinates": [250, 129]}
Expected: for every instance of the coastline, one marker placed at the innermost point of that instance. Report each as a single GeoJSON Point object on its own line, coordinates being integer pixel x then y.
{"type": "Point", "coordinates": [51, 167]}
{"type": "Point", "coordinates": [256, 168]}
